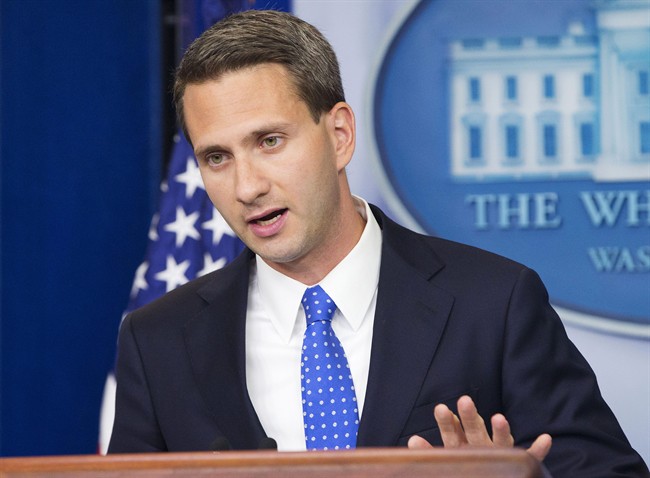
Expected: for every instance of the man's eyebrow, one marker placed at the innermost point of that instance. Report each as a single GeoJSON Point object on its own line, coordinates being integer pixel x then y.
{"type": "Point", "coordinates": [199, 152]}
{"type": "Point", "coordinates": [270, 128]}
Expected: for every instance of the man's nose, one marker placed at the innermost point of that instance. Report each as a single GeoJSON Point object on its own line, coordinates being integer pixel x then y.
{"type": "Point", "coordinates": [251, 182]}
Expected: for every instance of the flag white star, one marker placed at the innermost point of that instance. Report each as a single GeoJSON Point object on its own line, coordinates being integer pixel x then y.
{"type": "Point", "coordinates": [218, 226]}
{"type": "Point", "coordinates": [209, 265]}
{"type": "Point", "coordinates": [174, 273]}
{"type": "Point", "coordinates": [183, 226]}
{"type": "Point", "coordinates": [140, 283]}
{"type": "Point", "coordinates": [191, 178]}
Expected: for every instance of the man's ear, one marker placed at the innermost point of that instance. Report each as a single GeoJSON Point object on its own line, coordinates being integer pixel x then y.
{"type": "Point", "coordinates": [343, 129]}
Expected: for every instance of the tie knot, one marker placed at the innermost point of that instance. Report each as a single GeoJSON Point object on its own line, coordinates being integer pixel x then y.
{"type": "Point", "coordinates": [317, 304]}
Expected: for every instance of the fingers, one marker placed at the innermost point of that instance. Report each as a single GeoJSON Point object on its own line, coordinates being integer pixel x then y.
{"type": "Point", "coordinates": [473, 424]}
{"type": "Point", "coordinates": [501, 435]}
{"type": "Point", "coordinates": [418, 443]}
{"type": "Point", "coordinates": [450, 429]}
{"type": "Point", "coordinates": [470, 429]}
{"type": "Point", "coordinates": [541, 446]}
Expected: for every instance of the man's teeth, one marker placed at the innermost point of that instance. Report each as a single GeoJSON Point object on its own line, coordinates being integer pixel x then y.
{"type": "Point", "coordinates": [267, 222]}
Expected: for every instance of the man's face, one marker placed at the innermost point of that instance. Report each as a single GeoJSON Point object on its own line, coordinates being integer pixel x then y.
{"type": "Point", "coordinates": [271, 171]}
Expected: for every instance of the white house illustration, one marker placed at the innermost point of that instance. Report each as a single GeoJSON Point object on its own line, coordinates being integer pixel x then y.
{"type": "Point", "coordinates": [564, 107]}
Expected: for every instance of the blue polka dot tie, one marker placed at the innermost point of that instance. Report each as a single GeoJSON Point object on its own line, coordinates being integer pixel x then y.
{"type": "Point", "coordinates": [329, 402]}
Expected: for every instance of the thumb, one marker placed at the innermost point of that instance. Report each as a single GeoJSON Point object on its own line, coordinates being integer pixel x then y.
{"type": "Point", "coordinates": [418, 443]}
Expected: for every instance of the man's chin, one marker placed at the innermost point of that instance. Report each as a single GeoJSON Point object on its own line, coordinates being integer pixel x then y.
{"type": "Point", "coordinates": [280, 257]}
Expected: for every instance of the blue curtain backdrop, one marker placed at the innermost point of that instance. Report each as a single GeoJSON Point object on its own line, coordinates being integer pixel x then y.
{"type": "Point", "coordinates": [80, 167]}
{"type": "Point", "coordinates": [81, 154]}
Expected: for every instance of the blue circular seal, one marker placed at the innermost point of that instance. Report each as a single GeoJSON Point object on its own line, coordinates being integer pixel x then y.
{"type": "Point", "coordinates": [506, 125]}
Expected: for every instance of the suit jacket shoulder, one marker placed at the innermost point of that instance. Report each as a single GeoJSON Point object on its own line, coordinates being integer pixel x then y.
{"type": "Point", "coordinates": [182, 304]}
{"type": "Point", "coordinates": [181, 369]}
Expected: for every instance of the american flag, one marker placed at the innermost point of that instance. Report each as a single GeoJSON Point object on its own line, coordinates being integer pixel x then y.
{"type": "Point", "coordinates": [187, 239]}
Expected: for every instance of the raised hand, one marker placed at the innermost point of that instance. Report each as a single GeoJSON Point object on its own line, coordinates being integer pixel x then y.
{"type": "Point", "coordinates": [468, 429]}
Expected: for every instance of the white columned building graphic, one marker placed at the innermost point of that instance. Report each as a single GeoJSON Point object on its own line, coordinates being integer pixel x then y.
{"type": "Point", "coordinates": [573, 106]}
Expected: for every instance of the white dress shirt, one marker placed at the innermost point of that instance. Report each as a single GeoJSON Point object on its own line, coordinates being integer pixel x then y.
{"type": "Point", "coordinates": [275, 324]}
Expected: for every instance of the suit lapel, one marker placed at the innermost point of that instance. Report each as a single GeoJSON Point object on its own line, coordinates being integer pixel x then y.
{"type": "Point", "coordinates": [409, 321]}
{"type": "Point", "coordinates": [215, 344]}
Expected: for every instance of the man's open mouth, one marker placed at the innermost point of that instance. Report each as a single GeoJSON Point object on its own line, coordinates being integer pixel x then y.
{"type": "Point", "coordinates": [269, 218]}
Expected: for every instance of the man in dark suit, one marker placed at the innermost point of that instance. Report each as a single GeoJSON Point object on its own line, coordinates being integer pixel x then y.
{"type": "Point", "coordinates": [425, 323]}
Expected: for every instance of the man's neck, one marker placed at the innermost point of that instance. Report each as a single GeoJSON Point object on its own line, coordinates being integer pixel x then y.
{"type": "Point", "coordinates": [313, 268]}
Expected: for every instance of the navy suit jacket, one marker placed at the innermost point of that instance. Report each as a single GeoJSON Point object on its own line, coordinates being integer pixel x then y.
{"type": "Point", "coordinates": [450, 320]}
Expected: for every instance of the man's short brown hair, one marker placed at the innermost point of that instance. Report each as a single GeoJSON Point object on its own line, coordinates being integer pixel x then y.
{"type": "Point", "coordinates": [256, 37]}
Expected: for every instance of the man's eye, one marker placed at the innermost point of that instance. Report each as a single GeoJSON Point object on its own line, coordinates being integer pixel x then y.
{"type": "Point", "coordinates": [271, 141]}
{"type": "Point", "coordinates": [214, 159]}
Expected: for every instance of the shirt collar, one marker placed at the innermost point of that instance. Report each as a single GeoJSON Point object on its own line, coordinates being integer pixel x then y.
{"type": "Point", "coordinates": [351, 284]}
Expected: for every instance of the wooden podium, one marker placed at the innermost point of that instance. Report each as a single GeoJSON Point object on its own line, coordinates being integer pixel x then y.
{"type": "Point", "coordinates": [360, 463]}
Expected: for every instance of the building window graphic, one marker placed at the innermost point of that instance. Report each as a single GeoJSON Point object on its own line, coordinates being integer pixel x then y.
{"type": "Point", "coordinates": [549, 87]}
{"type": "Point", "coordinates": [587, 146]}
{"type": "Point", "coordinates": [474, 90]}
{"type": "Point", "coordinates": [644, 132]}
{"type": "Point", "coordinates": [475, 143]}
{"type": "Point", "coordinates": [643, 83]}
{"type": "Point", "coordinates": [588, 85]}
{"type": "Point", "coordinates": [550, 142]}
{"type": "Point", "coordinates": [565, 106]}
{"type": "Point", "coordinates": [512, 142]}
{"type": "Point", "coordinates": [511, 88]}
{"type": "Point", "coordinates": [511, 126]}
{"type": "Point", "coordinates": [586, 137]}
{"type": "Point", "coordinates": [548, 130]}
{"type": "Point", "coordinates": [473, 127]}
